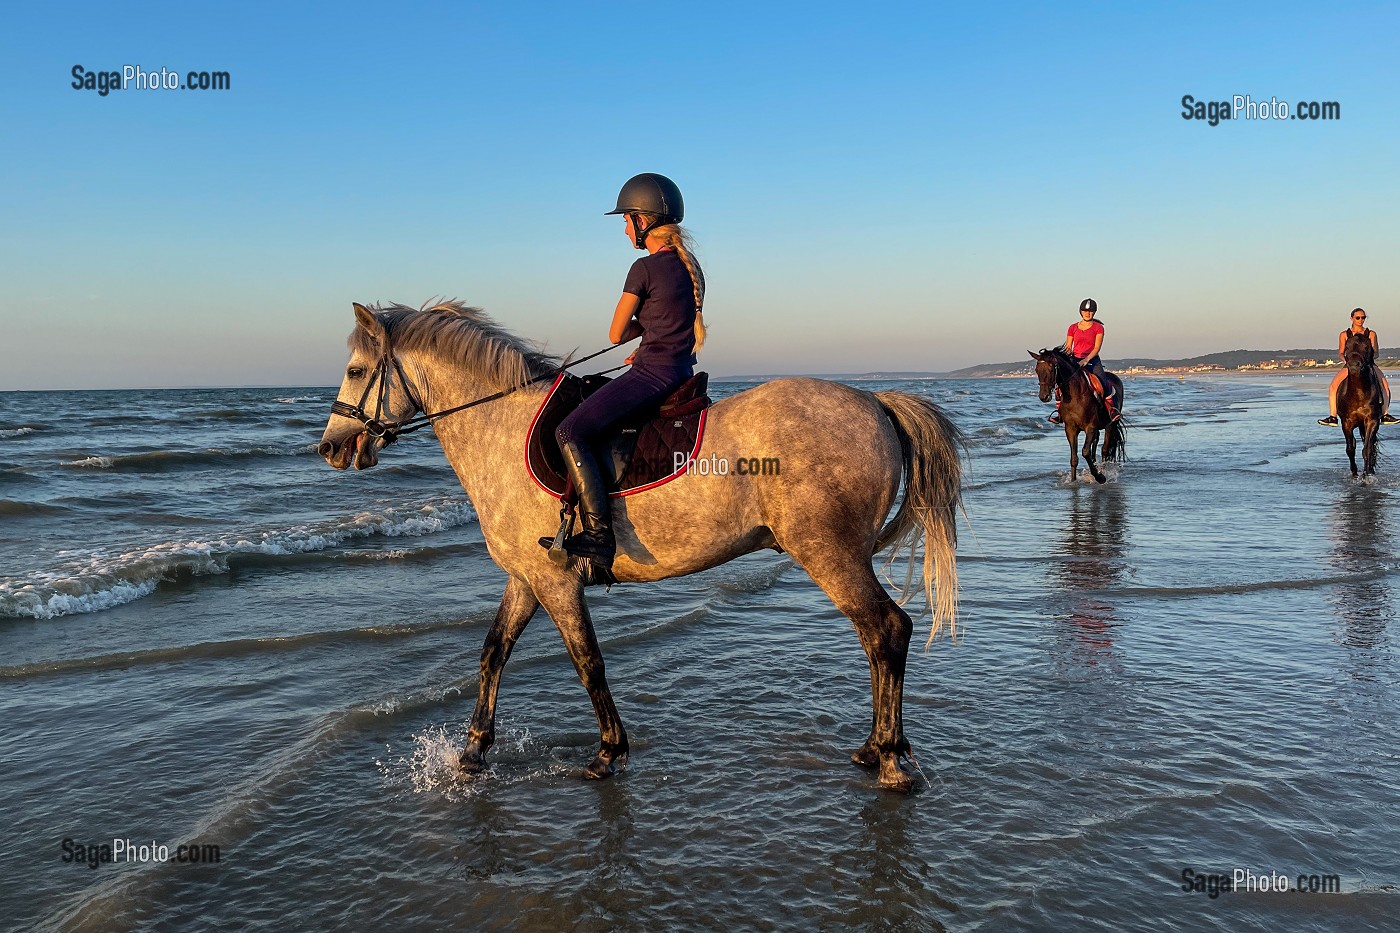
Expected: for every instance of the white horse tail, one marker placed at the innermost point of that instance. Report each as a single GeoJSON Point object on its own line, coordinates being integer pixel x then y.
{"type": "Point", "coordinates": [933, 450]}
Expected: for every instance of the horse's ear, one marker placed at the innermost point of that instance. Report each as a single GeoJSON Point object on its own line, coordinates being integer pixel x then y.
{"type": "Point", "coordinates": [1034, 355]}
{"type": "Point", "coordinates": [368, 320]}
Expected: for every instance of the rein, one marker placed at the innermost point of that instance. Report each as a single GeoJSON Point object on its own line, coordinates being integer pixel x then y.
{"type": "Point", "coordinates": [1057, 362]}
{"type": "Point", "coordinates": [389, 431]}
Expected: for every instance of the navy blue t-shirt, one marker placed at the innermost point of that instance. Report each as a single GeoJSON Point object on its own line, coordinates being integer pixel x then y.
{"type": "Point", "coordinates": [667, 311]}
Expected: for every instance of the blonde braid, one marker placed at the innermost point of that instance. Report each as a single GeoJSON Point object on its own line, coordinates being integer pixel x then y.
{"type": "Point", "coordinates": [679, 239]}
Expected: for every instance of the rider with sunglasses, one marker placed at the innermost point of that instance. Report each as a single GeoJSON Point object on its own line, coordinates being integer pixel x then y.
{"type": "Point", "coordinates": [1358, 326]}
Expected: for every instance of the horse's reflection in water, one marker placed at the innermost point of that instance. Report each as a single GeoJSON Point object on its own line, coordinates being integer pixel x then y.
{"type": "Point", "coordinates": [486, 850]}
{"type": "Point", "coordinates": [889, 868]}
{"type": "Point", "coordinates": [615, 868]}
{"type": "Point", "coordinates": [1090, 561]}
{"type": "Point", "coordinates": [598, 874]}
{"type": "Point", "coordinates": [1363, 550]}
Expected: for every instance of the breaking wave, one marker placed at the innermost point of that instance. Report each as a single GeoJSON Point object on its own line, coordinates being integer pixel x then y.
{"type": "Point", "coordinates": [100, 580]}
{"type": "Point", "coordinates": [162, 461]}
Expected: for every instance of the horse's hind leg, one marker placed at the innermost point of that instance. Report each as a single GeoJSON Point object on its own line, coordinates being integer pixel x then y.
{"type": "Point", "coordinates": [518, 606]}
{"type": "Point", "coordinates": [1091, 440]}
{"type": "Point", "coordinates": [565, 604]}
{"type": "Point", "coordinates": [884, 629]}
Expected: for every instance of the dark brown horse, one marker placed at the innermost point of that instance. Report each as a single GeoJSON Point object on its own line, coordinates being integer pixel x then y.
{"type": "Point", "coordinates": [1361, 401]}
{"type": "Point", "coordinates": [1081, 409]}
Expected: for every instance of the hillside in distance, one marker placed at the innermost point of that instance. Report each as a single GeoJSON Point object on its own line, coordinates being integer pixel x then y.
{"type": "Point", "coordinates": [1244, 361]}
{"type": "Point", "coordinates": [1226, 361]}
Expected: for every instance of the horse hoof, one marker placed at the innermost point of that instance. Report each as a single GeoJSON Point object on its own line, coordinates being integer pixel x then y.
{"type": "Point", "coordinates": [605, 764]}
{"type": "Point", "coordinates": [1100, 478]}
{"type": "Point", "coordinates": [865, 756]}
{"type": "Point", "coordinates": [896, 779]}
{"type": "Point", "coordinates": [471, 762]}
{"type": "Point", "coordinates": [599, 769]}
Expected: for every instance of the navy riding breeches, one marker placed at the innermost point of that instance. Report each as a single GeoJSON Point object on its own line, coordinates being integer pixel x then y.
{"type": "Point", "coordinates": [643, 387]}
{"type": "Point", "coordinates": [1095, 366]}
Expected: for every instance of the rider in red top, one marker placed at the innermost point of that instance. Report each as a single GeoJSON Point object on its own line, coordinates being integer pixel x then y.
{"type": "Point", "coordinates": [1084, 343]}
{"type": "Point", "coordinates": [1084, 339]}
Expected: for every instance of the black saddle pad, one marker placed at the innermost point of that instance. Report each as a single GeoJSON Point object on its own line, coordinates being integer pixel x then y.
{"type": "Point", "coordinates": [641, 455]}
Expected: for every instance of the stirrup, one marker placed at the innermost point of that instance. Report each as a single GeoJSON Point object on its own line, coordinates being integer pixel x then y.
{"type": "Point", "coordinates": [555, 545]}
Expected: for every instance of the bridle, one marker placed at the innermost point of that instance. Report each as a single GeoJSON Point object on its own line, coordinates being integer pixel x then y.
{"type": "Point", "coordinates": [1366, 356]}
{"type": "Point", "coordinates": [376, 427]}
{"type": "Point", "coordinates": [1053, 358]}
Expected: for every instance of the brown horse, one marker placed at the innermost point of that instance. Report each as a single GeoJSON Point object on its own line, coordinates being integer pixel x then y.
{"type": "Point", "coordinates": [1361, 401]}
{"type": "Point", "coordinates": [848, 459]}
{"type": "Point", "coordinates": [1081, 410]}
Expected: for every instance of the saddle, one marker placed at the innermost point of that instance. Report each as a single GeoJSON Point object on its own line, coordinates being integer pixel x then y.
{"type": "Point", "coordinates": [1113, 398]}
{"type": "Point", "coordinates": [641, 455]}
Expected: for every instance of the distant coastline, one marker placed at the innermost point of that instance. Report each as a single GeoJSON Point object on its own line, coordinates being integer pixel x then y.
{"type": "Point", "coordinates": [1266, 362]}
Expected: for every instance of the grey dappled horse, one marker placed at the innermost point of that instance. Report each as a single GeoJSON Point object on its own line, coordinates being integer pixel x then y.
{"type": "Point", "coordinates": [842, 454]}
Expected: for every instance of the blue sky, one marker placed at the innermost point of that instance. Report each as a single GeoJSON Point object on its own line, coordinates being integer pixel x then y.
{"type": "Point", "coordinates": [915, 187]}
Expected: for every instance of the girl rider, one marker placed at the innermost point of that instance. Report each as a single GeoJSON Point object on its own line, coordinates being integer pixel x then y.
{"type": "Point", "coordinates": [1358, 326]}
{"type": "Point", "coordinates": [661, 302]}
{"type": "Point", "coordinates": [1083, 341]}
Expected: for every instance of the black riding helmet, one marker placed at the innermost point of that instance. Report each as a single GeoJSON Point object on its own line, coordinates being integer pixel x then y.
{"type": "Point", "coordinates": [649, 193]}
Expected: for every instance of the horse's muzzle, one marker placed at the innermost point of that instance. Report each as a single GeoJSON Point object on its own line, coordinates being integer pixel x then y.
{"type": "Point", "coordinates": [359, 449]}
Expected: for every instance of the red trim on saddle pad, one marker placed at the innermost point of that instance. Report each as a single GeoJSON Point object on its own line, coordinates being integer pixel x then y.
{"type": "Point", "coordinates": [531, 433]}
{"type": "Point", "coordinates": [695, 452]}
{"type": "Point", "coordinates": [618, 494]}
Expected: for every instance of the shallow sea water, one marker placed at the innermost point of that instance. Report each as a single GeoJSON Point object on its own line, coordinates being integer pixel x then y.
{"type": "Point", "coordinates": [207, 635]}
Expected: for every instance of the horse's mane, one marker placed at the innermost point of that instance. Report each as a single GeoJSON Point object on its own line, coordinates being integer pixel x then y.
{"type": "Point", "coordinates": [1058, 351]}
{"type": "Point", "coordinates": [454, 331]}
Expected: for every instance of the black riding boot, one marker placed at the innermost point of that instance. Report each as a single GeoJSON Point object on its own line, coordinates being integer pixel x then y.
{"type": "Point", "coordinates": [596, 541]}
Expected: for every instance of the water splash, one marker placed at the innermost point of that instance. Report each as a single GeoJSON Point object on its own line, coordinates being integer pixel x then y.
{"type": "Point", "coordinates": [429, 764]}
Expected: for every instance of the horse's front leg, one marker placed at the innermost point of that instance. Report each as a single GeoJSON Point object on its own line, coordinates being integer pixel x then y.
{"type": "Point", "coordinates": [1091, 441]}
{"type": "Point", "coordinates": [518, 606]}
{"type": "Point", "coordinates": [1351, 451]}
{"type": "Point", "coordinates": [1368, 449]}
{"type": "Point", "coordinates": [1072, 436]}
{"type": "Point", "coordinates": [565, 605]}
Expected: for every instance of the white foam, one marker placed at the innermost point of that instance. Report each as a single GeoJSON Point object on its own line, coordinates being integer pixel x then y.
{"type": "Point", "coordinates": [16, 432]}
{"type": "Point", "coordinates": [90, 581]}
{"type": "Point", "coordinates": [397, 553]}
{"type": "Point", "coordinates": [298, 399]}
{"type": "Point", "coordinates": [33, 602]}
{"type": "Point", "coordinates": [100, 463]}
{"type": "Point", "coordinates": [429, 765]}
